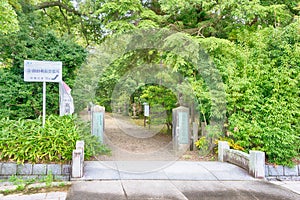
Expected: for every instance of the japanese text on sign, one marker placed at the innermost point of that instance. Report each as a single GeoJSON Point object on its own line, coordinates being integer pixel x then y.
{"type": "Point", "coordinates": [42, 71]}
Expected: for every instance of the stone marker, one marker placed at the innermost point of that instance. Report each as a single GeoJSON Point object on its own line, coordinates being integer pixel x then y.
{"type": "Point", "coordinates": [80, 146]}
{"type": "Point", "coordinates": [180, 131]}
{"type": "Point", "coordinates": [98, 122]}
{"type": "Point", "coordinates": [77, 164]}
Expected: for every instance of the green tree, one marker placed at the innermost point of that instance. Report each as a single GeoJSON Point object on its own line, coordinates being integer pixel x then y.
{"type": "Point", "coordinates": [161, 100]}
{"type": "Point", "coordinates": [34, 42]}
{"type": "Point", "coordinates": [8, 18]}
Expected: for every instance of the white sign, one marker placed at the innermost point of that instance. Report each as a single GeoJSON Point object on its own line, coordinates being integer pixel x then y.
{"type": "Point", "coordinates": [42, 71]}
{"type": "Point", "coordinates": [146, 110]}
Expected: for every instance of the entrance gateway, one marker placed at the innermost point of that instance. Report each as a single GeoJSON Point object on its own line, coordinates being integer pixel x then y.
{"type": "Point", "coordinates": [168, 151]}
{"type": "Point", "coordinates": [147, 167]}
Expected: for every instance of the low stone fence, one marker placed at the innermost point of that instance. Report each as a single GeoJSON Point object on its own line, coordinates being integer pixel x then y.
{"type": "Point", "coordinates": [27, 170]}
{"type": "Point", "coordinates": [59, 171]}
{"type": "Point", "coordinates": [254, 162]}
{"type": "Point", "coordinates": [237, 157]}
{"type": "Point", "coordinates": [280, 172]}
{"type": "Point", "coordinates": [78, 160]}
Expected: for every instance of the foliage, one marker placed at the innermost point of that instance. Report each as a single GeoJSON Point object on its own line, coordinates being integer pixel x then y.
{"type": "Point", "coordinates": [262, 85]}
{"type": "Point", "coordinates": [23, 99]}
{"type": "Point", "coordinates": [253, 44]}
{"type": "Point", "coordinates": [202, 144]}
{"type": "Point", "coordinates": [8, 18]}
{"type": "Point", "coordinates": [92, 146]}
{"type": "Point", "coordinates": [161, 101]}
{"type": "Point", "coordinates": [231, 142]}
{"type": "Point", "coordinates": [27, 141]}
{"type": "Point", "coordinates": [26, 184]}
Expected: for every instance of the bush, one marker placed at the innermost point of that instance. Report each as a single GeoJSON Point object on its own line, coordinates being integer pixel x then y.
{"type": "Point", "coordinates": [261, 77]}
{"type": "Point", "coordinates": [26, 140]}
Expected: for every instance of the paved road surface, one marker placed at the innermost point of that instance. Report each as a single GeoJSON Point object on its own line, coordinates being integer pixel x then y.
{"type": "Point", "coordinates": [177, 180]}
{"type": "Point", "coordinates": [179, 190]}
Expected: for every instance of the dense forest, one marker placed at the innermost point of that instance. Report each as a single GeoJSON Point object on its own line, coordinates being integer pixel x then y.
{"type": "Point", "coordinates": [253, 45]}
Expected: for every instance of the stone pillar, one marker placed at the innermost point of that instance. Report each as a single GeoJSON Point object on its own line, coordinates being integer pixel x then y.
{"type": "Point", "coordinates": [257, 164]}
{"type": "Point", "coordinates": [195, 134]}
{"type": "Point", "coordinates": [77, 167]}
{"type": "Point", "coordinates": [98, 122]}
{"type": "Point", "coordinates": [78, 160]}
{"type": "Point", "coordinates": [80, 146]}
{"type": "Point", "coordinates": [222, 146]}
{"type": "Point", "coordinates": [180, 131]}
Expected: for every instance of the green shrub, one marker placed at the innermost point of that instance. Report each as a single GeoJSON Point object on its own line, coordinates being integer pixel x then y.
{"type": "Point", "coordinates": [261, 78]}
{"type": "Point", "coordinates": [27, 141]}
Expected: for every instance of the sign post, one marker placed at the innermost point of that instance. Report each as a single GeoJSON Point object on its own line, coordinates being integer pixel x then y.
{"type": "Point", "coordinates": [42, 71]}
{"type": "Point", "coordinates": [44, 103]}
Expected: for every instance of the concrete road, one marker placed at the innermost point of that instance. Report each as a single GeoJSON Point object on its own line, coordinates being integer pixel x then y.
{"type": "Point", "coordinates": [181, 190]}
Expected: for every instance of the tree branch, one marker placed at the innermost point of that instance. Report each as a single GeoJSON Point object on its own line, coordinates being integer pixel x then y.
{"type": "Point", "coordinates": [57, 3]}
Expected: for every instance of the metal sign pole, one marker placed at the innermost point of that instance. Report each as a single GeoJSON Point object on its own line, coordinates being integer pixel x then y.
{"type": "Point", "coordinates": [44, 103]}
{"type": "Point", "coordinates": [43, 71]}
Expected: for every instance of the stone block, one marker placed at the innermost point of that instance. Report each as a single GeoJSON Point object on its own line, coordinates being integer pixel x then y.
{"type": "Point", "coordinates": [290, 171]}
{"type": "Point", "coordinates": [275, 170]}
{"type": "Point", "coordinates": [80, 146]}
{"type": "Point", "coordinates": [222, 145]}
{"type": "Point", "coordinates": [39, 169]}
{"type": "Point", "coordinates": [62, 177]}
{"type": "Point", "coordinates": [54, 169]}
{"type": "Point", "coordinates": [77, 164]}
{"type": "Point", "coordinates": [257, 164]}
{"type": "Point", "coordinates": [66, 169]}
{"type": "Point", "coordinates": [98, 125]}
{"type": "Point", "coordinates": [9, 169]}
{"type": "Point", "coordinates": [25, 169]}
{"type": "Point", "coordinates": [181, 129]}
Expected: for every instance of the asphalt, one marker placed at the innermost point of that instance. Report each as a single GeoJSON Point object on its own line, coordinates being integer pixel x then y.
{"type": "Point", "coordinates": [180, 180]}
{"type": "Point", "coordinates": [162, 170]}
{"type": "Point", "coordinates": [179, 190]}
{"type": "Point", "coordinates": [168, 180]}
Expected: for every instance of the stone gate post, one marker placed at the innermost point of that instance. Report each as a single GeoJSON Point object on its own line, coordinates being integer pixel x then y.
{"type": "Point", "coordinates": [98, 122]}
{"type": "Point", "coordinates": [180, 131]}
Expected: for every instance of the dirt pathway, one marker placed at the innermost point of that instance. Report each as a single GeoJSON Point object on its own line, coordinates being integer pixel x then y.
{"type": "Point", "coordinates": [129, 140]}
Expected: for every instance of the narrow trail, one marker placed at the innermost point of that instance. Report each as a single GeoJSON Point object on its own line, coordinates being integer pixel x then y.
{"type": "Point", "coordinates": [133, 138]}
{"type": "Point", "coordinates": [129, 140]}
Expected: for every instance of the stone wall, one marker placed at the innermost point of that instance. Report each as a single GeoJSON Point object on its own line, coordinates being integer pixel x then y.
{"type": "Point", "coordinates": [254, 163]}
{"type": "Point", "coordinates": [238, 158]}
{"type": "Point", "coordinates": [59, 171]}
{"type": "Point", "coordinates": [280, 172]}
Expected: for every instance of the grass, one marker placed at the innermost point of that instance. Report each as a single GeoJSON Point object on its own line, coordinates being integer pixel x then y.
{"type": "Point", "coordinates": [23, 185]}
